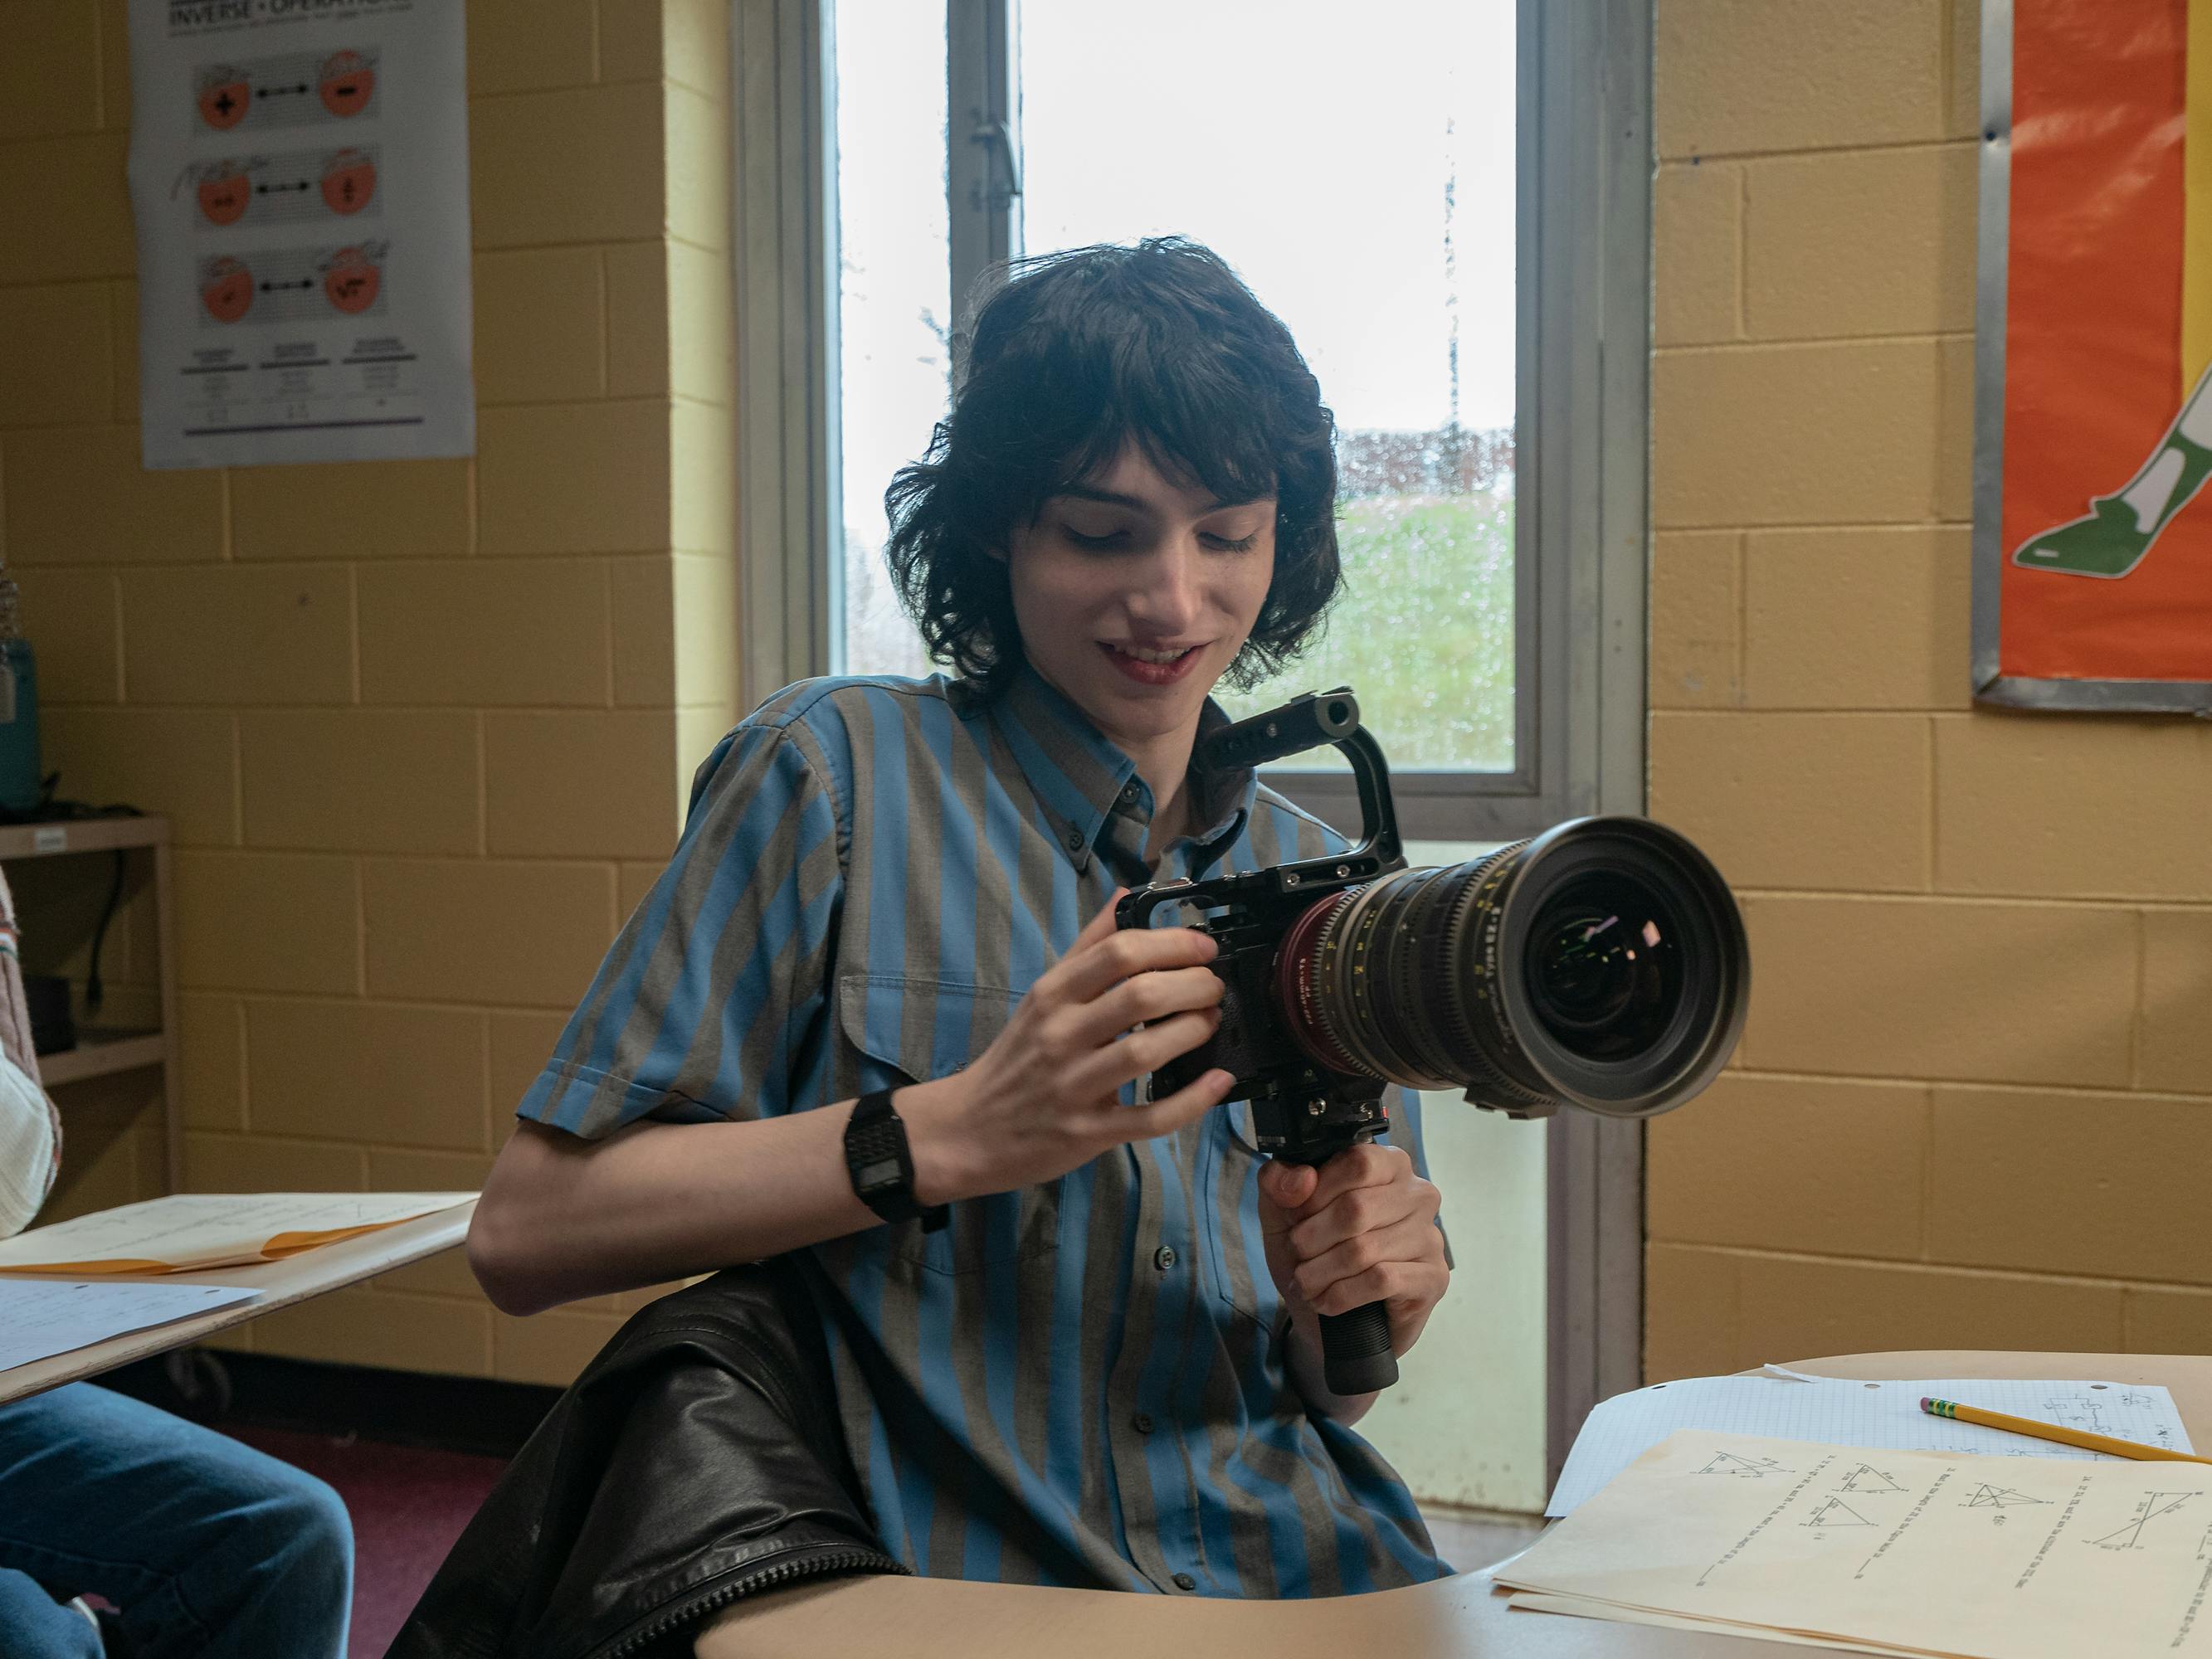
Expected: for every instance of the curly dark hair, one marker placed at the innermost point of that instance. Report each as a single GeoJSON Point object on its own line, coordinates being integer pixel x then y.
{"type": "Point", "coordinates": [1076, 354]}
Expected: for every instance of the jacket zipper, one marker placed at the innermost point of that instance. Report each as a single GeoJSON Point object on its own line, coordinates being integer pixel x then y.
{"type": "Point", "coordinates": [774, 1577]}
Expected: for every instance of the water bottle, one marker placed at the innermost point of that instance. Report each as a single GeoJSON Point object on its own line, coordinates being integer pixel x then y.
{"type": "Point", "coordinates": [19, 710]}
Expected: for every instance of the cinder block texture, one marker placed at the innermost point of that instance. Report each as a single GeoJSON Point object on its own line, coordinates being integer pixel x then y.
{"type": "Point", "coordinates": [2079, 805]}
{"type": "Point", "coordinates": [76, 494]}
{"type": "Point", "coordinates": [1942, 989]}
{"type": "Point", "coordinates": [266, 635]}
{"type": "Point", "coordinates": [268, 922]}
{"type": "Point", "coordinates": [115, 1152]}
{"type": "Point", "coordinates": [55, 341]}
{"type": "Point", "coordinates": [76, 618]}
{"type": "Point", "coordinates": [212, 1036]}
{"type": "Point", "coordinates": [361, 780]}
{"type": "Point", "coordinates": [1856, 618]}
{"type": "Point", "coordinates": [1697, 620]}
{"type": "Point", "coordinates": [1822, 1165]}
{"type": "Point", "coordinates": [50, 74]}
{"type": "Point", "coordinates": [577, 165]}
{"type": "Point", "coordinates": [180, 763]}
{"type": "Point", "coordinates": [1696, 253]}
{"type": "Point", "coordinates": [1979, 1059]}
{"type": "Point", "coordinates": [2102, 1185]}
{"type": "Point", "coordinates": [390, 510]}
{"type": "Point", "coordinates": [265, 1163]}
{"type": "Point", "coordinates": [2166, 1320]}
{"type": "Point", "coordinates": [470, 931]}
{"type": "Point", "coordinates": [542, 319]}
{"type": "Point", "coordinates": [72, 190]}
{"type": "Point", "coordinates": [2176, 1051]}
{"type": "Point", "coordinates": [314, 672]}
{"type": "Point", "coordinates": [369, 1072]}
{"type": "Point", "coordinates": [531, 45]}
{"type": "Point", "coordinates": [1823, 433]}
{"type": "Point", "coordinates": [1859, 242]}
{"type": "Point", "coordinates": [1711, 1310]}
{"type": "Point", "coordinates": [1824, 801]}
{"type": "Point", "coordinates": [482, 633]}
{"type": "Point", "coordinates": [532, 759]}
{"type": "Point", "coordinates": [1748, 75]}
{"type": "Point", "coordinates": [574, 478]}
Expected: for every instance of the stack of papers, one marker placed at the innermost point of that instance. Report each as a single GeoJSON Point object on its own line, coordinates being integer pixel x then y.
{"type": "Point", "coordinates": [1889, 1552]}
{"type": "Point", "coordinates": [42, 1317]}
{"type": "Point", "coordinates": [1789, 1405]}
{"type": "Point", "coordinates": [190, 1232]}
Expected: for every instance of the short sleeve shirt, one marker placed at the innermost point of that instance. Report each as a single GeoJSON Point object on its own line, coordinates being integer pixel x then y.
{"type": "Point", "coordinates": [1078, 1383]}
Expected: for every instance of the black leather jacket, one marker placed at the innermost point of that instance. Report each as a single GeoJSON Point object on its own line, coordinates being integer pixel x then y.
{"type": "Point", "coordinates": [697, 1459]}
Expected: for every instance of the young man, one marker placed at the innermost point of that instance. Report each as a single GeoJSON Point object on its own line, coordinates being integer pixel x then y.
{"type": "Point", "coordinates": [1099, 1364]}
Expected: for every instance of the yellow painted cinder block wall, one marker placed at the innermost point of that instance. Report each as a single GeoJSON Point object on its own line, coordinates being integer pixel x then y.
{"type": "Point", "coordinates": [1974, 1104]}
{"type": "Point", "coordinates": [423, 729]}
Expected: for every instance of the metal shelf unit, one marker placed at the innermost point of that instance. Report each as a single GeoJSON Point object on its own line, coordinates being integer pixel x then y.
{"type": "Point", "coordinates": [100, 1052]}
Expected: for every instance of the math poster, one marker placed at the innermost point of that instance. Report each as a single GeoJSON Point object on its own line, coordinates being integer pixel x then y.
{"type": "Point", "coordinates": [299, 174]}
{"type": "Point", "coordinates": [2093, 533]}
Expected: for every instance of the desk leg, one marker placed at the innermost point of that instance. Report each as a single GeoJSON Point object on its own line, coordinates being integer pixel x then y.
{"type": "Point", "coordinates": [165, 906]}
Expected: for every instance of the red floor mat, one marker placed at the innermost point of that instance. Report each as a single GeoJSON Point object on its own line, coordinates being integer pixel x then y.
{"type": "Point", "coordinates": [408, 1507]}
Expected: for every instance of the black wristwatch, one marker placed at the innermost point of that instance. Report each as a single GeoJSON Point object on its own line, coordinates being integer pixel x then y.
{"type": "Point", "coordinates": [882, 1169]}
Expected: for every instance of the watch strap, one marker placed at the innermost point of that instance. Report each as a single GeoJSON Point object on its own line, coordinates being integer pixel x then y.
{"type": "Point", "coordinates": [881, 1165]}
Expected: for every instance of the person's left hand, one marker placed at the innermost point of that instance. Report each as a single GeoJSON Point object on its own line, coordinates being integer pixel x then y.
{"type": "Point", "coordinates": [1360, 1229]}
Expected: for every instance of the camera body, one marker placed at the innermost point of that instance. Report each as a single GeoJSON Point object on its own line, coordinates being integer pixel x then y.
{"type": "Point", "coordinates": [1303, 1111]}
{"type": "Point", "coordinates": [1602, 964]}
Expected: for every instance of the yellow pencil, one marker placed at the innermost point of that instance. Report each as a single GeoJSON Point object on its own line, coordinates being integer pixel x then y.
{"type": "Point", "coordinates": [2100, 1443]}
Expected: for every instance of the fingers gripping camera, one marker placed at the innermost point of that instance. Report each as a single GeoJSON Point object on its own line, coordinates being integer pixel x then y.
{"type": "Point", "coordinates": [1600, 964]}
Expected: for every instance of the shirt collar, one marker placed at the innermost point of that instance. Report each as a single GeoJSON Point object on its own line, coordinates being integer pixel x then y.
{"type": "Point", "coordinates": [1081, 780]}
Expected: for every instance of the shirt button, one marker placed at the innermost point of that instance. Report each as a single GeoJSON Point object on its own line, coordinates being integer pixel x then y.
{"type": "Point", "coordinates": [1163, 1258]}
{"type": "Point", "coordinates": [1142, 1423]}
{"type": "Point", "coordinates": [1075, 840]}
{"type": "Point", "coordinates": [1183, 1581]}
{"type": "Point", "coordinates": [1128, 793]}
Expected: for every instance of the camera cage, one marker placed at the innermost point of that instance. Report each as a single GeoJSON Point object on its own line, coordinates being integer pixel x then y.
{"type": "Point", "coordinates": [1302, 1112]}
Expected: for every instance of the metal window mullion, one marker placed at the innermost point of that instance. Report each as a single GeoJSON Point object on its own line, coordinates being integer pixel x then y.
{"type": "Point", "coordinates": [785, 277]}
{"type": "Point", "coordinates": [1593, 83]}
{"type": "Point", "coordinates": [982, 133]}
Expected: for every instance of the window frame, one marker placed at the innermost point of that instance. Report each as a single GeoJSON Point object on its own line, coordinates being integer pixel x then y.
{"type": "Point", "coordinates": [1582, 521]}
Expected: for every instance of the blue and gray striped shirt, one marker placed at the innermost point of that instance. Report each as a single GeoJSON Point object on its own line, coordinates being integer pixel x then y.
{"type": "Point", "coordinates": [1076, 1383]}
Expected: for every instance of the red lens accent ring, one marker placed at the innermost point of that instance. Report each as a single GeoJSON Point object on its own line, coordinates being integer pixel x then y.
{"type": "Point", "coordinates": [1296, 963]}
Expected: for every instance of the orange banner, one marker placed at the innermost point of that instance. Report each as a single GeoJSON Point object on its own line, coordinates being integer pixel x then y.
{"type": "Point", "coordinates": [2107, 437]}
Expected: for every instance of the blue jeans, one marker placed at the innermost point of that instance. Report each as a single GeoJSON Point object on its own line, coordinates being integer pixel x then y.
{"type": "Point", "coordinates": [206, 1545]}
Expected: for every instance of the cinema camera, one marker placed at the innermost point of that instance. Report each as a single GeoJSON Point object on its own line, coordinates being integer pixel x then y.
{"type": "Point", "coordinates": [1600, 964]}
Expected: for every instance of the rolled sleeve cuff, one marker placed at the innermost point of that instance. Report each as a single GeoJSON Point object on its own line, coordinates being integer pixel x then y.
{"type": "Point", "coordinates": [592, 1104]}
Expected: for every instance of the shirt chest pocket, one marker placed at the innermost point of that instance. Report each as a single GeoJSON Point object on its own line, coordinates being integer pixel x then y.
{"type": "Point", "coordinates": [1236, 1257]}
{"type": "Point", "coordinates": [905, 1030]}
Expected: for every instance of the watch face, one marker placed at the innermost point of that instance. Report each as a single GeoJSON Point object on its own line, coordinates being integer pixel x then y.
{"type": "Point", "coordinates": [883, 1175]}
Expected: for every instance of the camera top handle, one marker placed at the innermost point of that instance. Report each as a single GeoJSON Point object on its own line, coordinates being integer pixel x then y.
{"type": "Point", "coordinates": [1307, 722]}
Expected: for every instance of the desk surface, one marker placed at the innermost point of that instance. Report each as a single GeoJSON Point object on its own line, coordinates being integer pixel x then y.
{"type": "Point", "coordinates": [311, 1272]}
{"type": "Point", "coordinates": [944, 1618]}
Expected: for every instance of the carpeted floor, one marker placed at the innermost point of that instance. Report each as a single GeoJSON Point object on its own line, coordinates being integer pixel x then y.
{"type": "Point", "coordinates": [408, 1506]}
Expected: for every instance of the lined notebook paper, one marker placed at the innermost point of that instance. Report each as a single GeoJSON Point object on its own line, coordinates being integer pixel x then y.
{"type": "Point", "coordinates": [1884, 1415]}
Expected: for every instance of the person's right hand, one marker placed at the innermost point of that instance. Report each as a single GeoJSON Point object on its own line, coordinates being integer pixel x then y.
{"type": "Point", "coordinates": [1041, 1100]}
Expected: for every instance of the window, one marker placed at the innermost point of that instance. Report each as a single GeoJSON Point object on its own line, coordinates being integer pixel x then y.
{"type": "Point", "coordinates": [1362, 181]}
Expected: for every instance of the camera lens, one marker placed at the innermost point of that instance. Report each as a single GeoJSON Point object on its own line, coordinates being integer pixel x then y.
{"type": "Point", "coordinates": [1603, 969]}
{"type": "Point", "coordinates": [1603, 963]}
